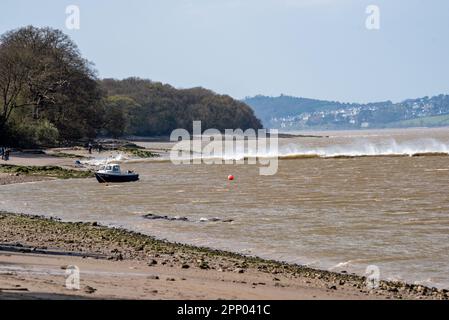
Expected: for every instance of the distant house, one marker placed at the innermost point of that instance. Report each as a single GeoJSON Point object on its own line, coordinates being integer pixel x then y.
{"type": "Point", "coordinates": [364, 125]}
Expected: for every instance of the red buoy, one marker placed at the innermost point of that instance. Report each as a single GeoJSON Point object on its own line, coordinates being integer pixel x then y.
{"type": "Point", "coordinates": [231, 178]}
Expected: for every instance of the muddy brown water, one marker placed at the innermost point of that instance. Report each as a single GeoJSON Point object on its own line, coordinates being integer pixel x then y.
{"type": "Point", "coordinates": [357, 203]}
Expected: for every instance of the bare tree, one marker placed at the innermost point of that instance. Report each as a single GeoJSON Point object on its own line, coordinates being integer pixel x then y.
{"type": "Point", "coordinates": [37, 68]}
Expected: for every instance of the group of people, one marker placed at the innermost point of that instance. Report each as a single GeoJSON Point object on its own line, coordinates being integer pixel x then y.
{"type": "Point", "coordinates": [5, 152]}
{"type": "Point", "coordinates": [90, 148]}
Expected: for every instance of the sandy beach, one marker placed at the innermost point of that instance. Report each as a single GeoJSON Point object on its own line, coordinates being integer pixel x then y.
{"type": "Point", "coordinates": [41, 276]}
{"type": "Point", "coordinates": [118, 264]}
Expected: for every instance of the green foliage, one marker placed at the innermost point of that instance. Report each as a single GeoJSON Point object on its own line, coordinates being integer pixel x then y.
{"type": "Point", "coordinates": [49, 171]}
{"type": "Point", "coordinates": [48, 91]}
{"type": "Point", "coordinates": [120, 115]}
{"type": "Point", "coordinates": [435, 121]}
{"type": "Point", "coordinates": [66, 155]}
{"type": "Point", "coordinates": [156, 109]}
{"type": "Point", "coordinates": [46, 133]}
{"type": "Point", "coordinates": [31, 133]}
{"type": "Point", "coordinates": [139, 152]}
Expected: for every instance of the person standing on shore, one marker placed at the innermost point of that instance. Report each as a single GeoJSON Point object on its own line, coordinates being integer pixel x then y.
{"type": "Point", "coordinates": [6, 154]}
{"type": "Point", "coordinates": [2, 152]}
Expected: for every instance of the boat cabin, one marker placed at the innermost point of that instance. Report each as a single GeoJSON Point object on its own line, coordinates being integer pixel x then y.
{"type": "Point", "coordinates": [111, 169]}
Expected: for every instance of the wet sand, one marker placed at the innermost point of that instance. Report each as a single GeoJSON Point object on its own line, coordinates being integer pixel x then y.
{"type": "Point", "coordinates": [28, 159]}
{"type": "Point", "coordinates": [43, 276]}
{"type": "Point", "coordinates": [118, 264]}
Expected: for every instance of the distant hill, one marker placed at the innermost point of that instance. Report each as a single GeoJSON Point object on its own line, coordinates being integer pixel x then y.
{"type": "Point", "coordinates": [292, 113]}
{"type": "Point", "coordinates": [147, 108]}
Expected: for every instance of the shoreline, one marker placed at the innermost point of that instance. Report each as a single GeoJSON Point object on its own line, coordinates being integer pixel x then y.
{"type": "Point", "coordinates": [37, 237]}
{"type": "Point", "coordinates": [34, 240]}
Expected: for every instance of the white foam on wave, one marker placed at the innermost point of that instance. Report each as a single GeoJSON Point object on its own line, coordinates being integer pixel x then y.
{"type": "Point", "coordinates": [358, 148]}
{"type": "Point", "coordinates": [101, 161]}
{"type": "Point", "coordinates": [363, 147]}
{"type": "Point", "coordinates": [341, 265]}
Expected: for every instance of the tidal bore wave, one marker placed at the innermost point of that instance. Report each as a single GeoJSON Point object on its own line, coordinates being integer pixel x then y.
{"type": "Point", "coordinates": [294, 151]}
{"type": "Point", "coordinates": [365, 148]}
{"type": "Point", "coordinates": [357, 149]}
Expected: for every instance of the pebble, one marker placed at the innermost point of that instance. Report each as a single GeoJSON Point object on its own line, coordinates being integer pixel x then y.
{"type": "Point", "coordinates": [152, 262]}
{"type": "Point", "coordinates": [118, 257]}
{"type": "Point", "coordinates": [89, 289]}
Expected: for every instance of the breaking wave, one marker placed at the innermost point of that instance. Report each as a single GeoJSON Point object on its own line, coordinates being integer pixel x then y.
{"type": "Point", "coordinates": [358, 148]}
{"type": "Point", "coordinates": [101, 161]}
{"type": "Point", "coordinates": [366, 148]}
{"type": "Point", "coordinates": [293, 151]}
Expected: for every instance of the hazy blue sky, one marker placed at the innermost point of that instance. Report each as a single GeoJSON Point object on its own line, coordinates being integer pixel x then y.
{"type": "Point", "coordinates": [310, 48]}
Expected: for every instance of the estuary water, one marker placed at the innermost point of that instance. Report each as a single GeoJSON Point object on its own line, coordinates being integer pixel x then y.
{"type": "Point", "coordinates": [340, 202]}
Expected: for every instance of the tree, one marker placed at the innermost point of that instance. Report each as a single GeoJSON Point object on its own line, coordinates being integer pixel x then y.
{"type": "Point", "coordinates": [42, 70]}
{"type": "Point", "coordinates": [48, 88]}
{"type": "Point", "coordinates": [121, 115]}
{"type": "Point", "coordinates": [162, 108]}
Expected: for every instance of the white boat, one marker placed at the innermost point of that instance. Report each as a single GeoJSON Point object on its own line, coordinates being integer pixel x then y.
{"type": "Point", "coordinates": [113, 173]}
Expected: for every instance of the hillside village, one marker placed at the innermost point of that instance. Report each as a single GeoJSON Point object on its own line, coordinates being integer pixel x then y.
{"type": "Point", "coordinates": [425, 111]}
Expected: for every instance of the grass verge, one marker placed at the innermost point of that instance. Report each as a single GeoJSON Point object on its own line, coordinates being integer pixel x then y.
{"type": "Point", "coordinates": [47, 171]}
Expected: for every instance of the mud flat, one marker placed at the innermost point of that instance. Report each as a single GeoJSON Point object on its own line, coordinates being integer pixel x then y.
{"type": "Point", "coordinates": [116, 263]}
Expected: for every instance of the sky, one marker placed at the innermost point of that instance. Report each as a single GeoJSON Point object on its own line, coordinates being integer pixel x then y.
{"type": "Point", "coordinates": [309, 48]}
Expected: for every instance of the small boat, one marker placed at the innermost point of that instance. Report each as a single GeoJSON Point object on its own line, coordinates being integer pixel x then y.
{"type": "Point", "coordinates": [113, 173]}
